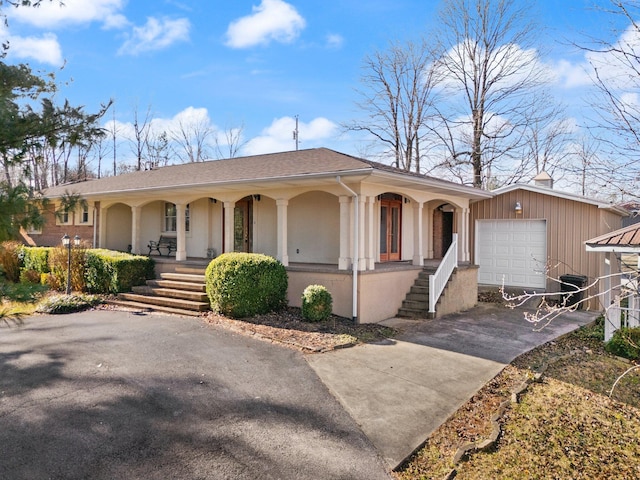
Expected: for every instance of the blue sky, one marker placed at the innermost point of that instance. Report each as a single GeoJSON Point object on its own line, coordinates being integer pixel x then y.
{"type": "Point", "coordinates": [253, 62]}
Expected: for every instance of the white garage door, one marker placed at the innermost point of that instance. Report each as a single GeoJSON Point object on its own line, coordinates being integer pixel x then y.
{"type": "Point", "coordinates": [513, 251]}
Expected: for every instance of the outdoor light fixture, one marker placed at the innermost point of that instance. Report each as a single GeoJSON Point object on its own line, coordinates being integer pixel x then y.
{"type": "Point", "coordinates": [518, 208]}
{"type": "Point", "coordinates": [66, 242]}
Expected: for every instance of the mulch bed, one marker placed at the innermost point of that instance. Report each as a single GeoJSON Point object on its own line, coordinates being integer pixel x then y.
{"type": "Point", "coordinates": [289, 328]}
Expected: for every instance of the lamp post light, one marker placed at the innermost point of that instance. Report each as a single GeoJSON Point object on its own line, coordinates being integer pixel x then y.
{"type": "Point", "coordinates": [66, 242]}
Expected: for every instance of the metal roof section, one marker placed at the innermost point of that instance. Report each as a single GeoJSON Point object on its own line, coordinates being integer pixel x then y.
{"type": "Point", "coordinates": [624, 240]}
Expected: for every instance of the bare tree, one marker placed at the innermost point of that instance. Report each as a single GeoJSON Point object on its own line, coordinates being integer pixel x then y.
{"type": "Point", "coordinates": [492, 77]}
{"type": "Point", "coordinates": [141, 127]}
{"type": "Point", "coordinates": [157, 150]}
{"type": "Point", "coordinates": [398, 95]}
{"type": "Point", "coordinates": [615, 70]}
{"type": "Point", "coordinates": [229, 141]}
{"type": "Point", "coordinates": [192, 140]}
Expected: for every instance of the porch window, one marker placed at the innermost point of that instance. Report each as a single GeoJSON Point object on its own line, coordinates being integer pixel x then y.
{"type": "Point", "coordinates": [171, 218]}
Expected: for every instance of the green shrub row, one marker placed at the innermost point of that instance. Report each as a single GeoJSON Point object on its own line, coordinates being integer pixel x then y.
{"type": "Point", "coordinates": [107, 271]}
{"type": "Point", "coordinates": [246, 284]}
{"type": "Point", "coordinates": [93, 270]}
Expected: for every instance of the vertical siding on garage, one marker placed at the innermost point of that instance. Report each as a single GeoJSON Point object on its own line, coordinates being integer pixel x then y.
{"type": "Point", "coordinates": [569, 224]}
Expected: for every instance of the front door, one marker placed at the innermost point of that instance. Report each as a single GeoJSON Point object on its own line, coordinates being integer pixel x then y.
{"type": "Point", "coordinates": [242, 225]}
{"type": "Point", "coordinates": [390, 221]}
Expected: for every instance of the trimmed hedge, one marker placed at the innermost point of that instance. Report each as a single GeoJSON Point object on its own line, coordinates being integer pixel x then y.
{"type": "Point", "coordinates": [107, 271]}
{"type": "Point", "coordinates": [317, 303]}
{"type": "Point", "coordinates": [36, 258]}
{"type": "Point", "coordinates": [246, 284]}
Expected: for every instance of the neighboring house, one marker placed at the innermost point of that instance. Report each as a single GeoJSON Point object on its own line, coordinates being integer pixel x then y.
{"type": "Point", "coordinates": [321, 213]}
{"type": "Point", "coordinates": [621, 250]}
{"type": "Point", "coordinates": [527, 236]}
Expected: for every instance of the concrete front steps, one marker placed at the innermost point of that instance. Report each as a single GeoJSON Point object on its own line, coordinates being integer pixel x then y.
{"type": "Point", "coordinates": [416, 303]}
{"type": "Point", "coordinates": [181, 293]}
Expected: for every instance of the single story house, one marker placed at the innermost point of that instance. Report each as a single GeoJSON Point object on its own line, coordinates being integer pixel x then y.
{"type": "Point", "coordinates": [363, 229]}
{"type": "Point", "coordinates": [528, 235]}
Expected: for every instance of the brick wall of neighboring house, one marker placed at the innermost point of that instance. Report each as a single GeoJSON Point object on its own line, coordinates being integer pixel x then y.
{"type": "Point", "coordinates": [52, 233]}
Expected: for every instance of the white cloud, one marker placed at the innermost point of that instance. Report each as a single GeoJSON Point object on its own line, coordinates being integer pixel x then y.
{"type": "Point", "coordinates": [278, 137]}
{"type": "Point", "coordinates": [52, 14]}
{"type": "Point", "coordinates": [158, 125]}
{"type": "Point", "coordinates": [44, 49]}
{"type": "Point", "coordinates": [156, 34]}
{"type": "Point", "coordinates": [570, 74]}
{"type": "Point", "coordinates": [271, 20]}
{"type": "Point", "coordinates": [335, 40]}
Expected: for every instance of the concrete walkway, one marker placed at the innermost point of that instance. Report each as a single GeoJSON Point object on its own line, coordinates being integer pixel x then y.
{"type": "Point", "coordinates": [399, 391]}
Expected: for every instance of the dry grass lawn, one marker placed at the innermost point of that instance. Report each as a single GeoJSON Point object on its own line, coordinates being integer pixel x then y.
{"type": "Point", "coordinates": [565, 426]}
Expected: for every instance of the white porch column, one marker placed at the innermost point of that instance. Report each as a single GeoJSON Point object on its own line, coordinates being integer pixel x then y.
{"type": "Point", "coordinates": [418, 255]}
{"type": "Point", "coordinates": [228, 225]}
{"type": "Point", "coordinates": [430, 233]}
{"type": "Point", "coordinates": [282, 247]}
{"type": "Point", "coordinates": [102, 234]}
{"type": "Point", "coordinates": [181, 240]}
{"type": "Point", "coordinates": [463, 237]}
{"type": "Point", "coordinates": [362, 264]}
{"type": "Point", "coordinates": [372, 238]}
{"type": "Point", "coordinates": [135, 230]}
{"type": "Point", "coordinates": [344, 261]}
{"type": "Point", "coordinates": [607, 297]}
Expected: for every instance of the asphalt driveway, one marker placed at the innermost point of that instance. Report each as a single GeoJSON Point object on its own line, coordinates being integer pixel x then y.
{"type": "Point", "coordinates": [115, 395]}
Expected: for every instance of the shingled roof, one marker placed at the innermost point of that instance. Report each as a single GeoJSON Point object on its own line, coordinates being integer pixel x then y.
{"type": "Point", "coordinates": [267, 167]}
{"type": "Point", "coordinates": [623, 240]}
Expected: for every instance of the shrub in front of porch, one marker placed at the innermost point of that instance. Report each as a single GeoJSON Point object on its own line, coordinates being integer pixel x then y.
{"type": "Point", "coordinates": [108, 271]}
{"type": "Point", "coordinates": [316, 303]}
{"type": "Point", "coordinates": [246, 284]}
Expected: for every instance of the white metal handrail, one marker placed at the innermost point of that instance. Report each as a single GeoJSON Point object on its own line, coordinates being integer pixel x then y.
{"type": "Point", "coordinates": [439, 280]}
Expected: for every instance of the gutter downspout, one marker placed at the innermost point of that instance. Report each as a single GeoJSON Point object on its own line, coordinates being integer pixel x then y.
{"type": "Point", "coordinates": [356, 253]}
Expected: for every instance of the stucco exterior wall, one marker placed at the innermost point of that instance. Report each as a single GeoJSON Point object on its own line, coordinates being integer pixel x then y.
{"type": "Point", "coordinates": [314, 228]}
{"type": "Point", "coordinates": [569, 224]}
{"type": "Point", "coordinates": [337, 283]}
{"type": "Point", "coordinates": [265, 235]}
{"type": "Point", "coordinates": [461, 293]}
{"type": "Point", "coordinates": [118, 230]}
{"type": "Point", "coordinates": [381, 293]}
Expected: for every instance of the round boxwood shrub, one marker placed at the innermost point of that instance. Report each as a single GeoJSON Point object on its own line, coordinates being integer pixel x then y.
{"type": "Point", "coordinates": [246, 284]}
{"type": "Point", "coordinates": [316, 303]}
{"type": "Point", "coordinates": [624, 343]}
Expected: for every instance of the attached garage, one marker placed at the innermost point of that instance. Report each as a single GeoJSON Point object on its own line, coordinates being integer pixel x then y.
{"type": "Point", "coordinates": [531, 234]}
{"type": "Point", "coordinates": [512, 252]}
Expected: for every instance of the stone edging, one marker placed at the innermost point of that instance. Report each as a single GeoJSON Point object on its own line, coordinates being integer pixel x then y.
{"type": "Point", "coordinates": [488, 444]}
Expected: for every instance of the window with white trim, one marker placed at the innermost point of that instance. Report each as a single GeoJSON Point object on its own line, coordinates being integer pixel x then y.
{"type": "Point", "coordinates": [85, 217]}
{"type": "Point", "coordinates": [171, 218]}
{"type": "Point", "coordinates": [63, 218]}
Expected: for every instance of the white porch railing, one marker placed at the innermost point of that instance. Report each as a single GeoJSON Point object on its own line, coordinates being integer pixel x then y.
{"type": "Point", "coordinates": [617, 316]}
{"type": "Point", "coordinates": [439, 280]}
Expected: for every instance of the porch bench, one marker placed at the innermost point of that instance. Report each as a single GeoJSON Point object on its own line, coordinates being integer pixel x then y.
{"type": "Point", "coordinates": [170, 243]}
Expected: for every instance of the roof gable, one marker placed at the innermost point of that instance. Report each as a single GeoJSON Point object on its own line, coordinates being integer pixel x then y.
{"type": "Point", "coordinates": [559, 194]}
